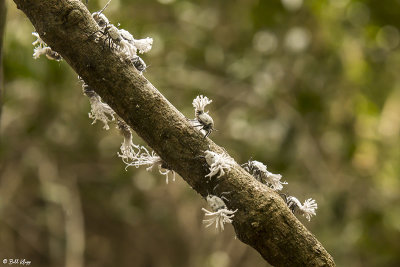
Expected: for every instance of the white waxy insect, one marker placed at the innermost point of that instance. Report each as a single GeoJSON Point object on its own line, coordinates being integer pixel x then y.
{"type": "Point", "coordinates": [122, 40]}
{"type": "Point", "coordinates": [129, 151]}
{"type": "Point", "coordinates": [134, 46]}
{"type": "Point", "coordinates": [204, 120]}
{"type": "Point", "coordinates": [41, 48]}
{"type": "Point", "coordinates": [220, 214]}
{"type": "Point", "coordinates": [260, 172]}
{"type": "Point", "coordinates": [113, 32]}
{"type": "Point", "coordinates": [48, 52]}
{"type": "Point", "coordinates": [99, 110]}
{"type": "Point", "coordinates": [216, 203]}
{"type": "Point", "coordinates": [307, 209]}
{"type": "Point", "coordinates": [150, 160]}
{"type": "Point", "coordinates": [137, 45]}
{"type": "Point", "coordinates": [115, 40]}
{"type": "Point", "coordinates": [113, 36]}
{"type": "Point", "coordinates": [218, 163]}
{"type": "Point", "coordinates": [101, 19]}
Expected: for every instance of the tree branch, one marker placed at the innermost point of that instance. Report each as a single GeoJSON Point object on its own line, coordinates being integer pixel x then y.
{"type": "Point", "coordinates": [263, 220]}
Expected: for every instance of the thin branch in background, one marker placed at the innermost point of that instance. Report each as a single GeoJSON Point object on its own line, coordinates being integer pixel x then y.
{"type": "Point", "coordinates": [67, 197]}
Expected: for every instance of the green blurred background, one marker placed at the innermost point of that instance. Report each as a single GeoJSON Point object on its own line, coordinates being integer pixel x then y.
{"type": "Point", "coordinates": [311, 88]}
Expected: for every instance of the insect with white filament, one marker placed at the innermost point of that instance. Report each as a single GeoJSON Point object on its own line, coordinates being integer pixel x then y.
{"type": "Point", "coordinates": [137, 45]}
{"type": "Point", "coordinates": [218, 163]}
{"type": "Point", "coordinates": [41, 48]}
{"type": "Point", "coordinates": [129, 151]}
{"type": "Point", "coordinates": [220, 213]}
{"type": "Point", "coordinates": [113, 36]}
{"type": "Point", "coordinates": [205, 121]}
{"type": "Point", "coordinates": [150, 160]}
{"type": "Point", "coordinates": [260, 172]}
{"type": "Point", "coordinates": [99, 111]}
{"type": "Point", "coordinates": [307, 209]}
{"type": "Point", "coordinates": [121, 40]}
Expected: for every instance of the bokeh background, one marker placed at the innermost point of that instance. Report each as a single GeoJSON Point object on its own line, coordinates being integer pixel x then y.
{"type": "Point", "coordinates": [311, 88]}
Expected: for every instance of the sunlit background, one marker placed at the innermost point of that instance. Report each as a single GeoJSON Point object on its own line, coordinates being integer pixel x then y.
{"type": "Point", "coordinates": [311, 88]}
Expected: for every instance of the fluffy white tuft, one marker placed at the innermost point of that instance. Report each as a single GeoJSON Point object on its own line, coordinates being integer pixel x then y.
{"type": "Point", "coordinates": [218, 163]}
{"type": "Point", "coordinates": [150, 160]}
{"type": "Point", "coordinates": [128, 149]}
{"type": "Point", "coordinates": [199, 103]}
{"type": "Point", "coordinates": [220, 214]}
{"type": "Point", "coordinates": [136, 45]}
{"type": "Point", "coordinates": [307, 209]}
{"type": "Point", "coordinates": [100, 111]}
{"type": "Point", "coordinates": [41, 48]}
{"type": "Point", "coordinates": [144, 45]}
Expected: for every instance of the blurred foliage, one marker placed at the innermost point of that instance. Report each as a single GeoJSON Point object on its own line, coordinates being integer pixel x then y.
{"type": "Point", "coordinates": [311, 88]}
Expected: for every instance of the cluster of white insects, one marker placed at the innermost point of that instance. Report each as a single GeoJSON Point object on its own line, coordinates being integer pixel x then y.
{"type": "Point", "coordinates": [259, 171]}
{"type": "Point", "coordinates": [121, 40]}
{"type": "Point", "coordinates": [218, 164]}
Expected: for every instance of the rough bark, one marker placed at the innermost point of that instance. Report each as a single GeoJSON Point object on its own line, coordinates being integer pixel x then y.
{"type": "Point", "coordinates": [263, 220]}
